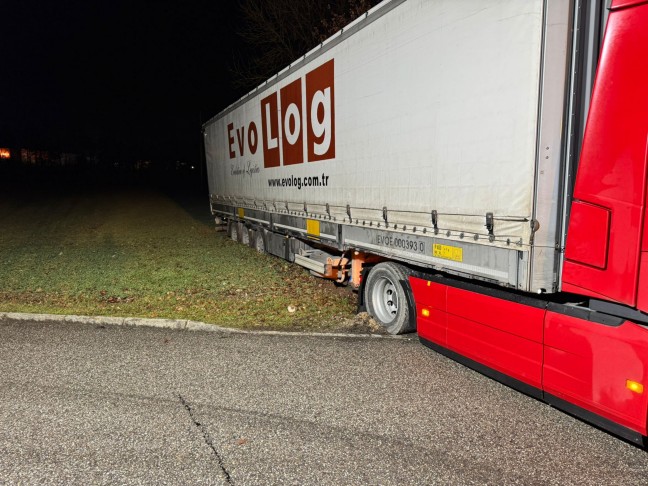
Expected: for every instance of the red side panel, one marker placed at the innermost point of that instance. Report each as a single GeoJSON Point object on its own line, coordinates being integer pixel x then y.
{"type": "Point", "coordinates": [583, 249]}
{"type": "Point", "coordinates": [642, 293]}
{"type": "Point", "coordinates": [432, 297]}
{"type": "Point", "coordinates": [587, 364]}
{"type": "Point", "coordinates": [642, 288]}
{"type": "Point", "coordinates": [497, 333]}
{"type": "Point", "coordinates": [612, 170]}
{"type": "Point", "coordinates": [626, 3]}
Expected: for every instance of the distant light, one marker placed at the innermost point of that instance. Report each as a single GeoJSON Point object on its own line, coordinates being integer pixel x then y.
{"type": "Point", "coordinates": [5, 153]}
{"type": "Point", "coordinates": [192, 167]}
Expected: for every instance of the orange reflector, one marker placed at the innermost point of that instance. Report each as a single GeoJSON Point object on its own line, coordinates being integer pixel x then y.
{"type": "Point", "coordinates": [634, 386]}
{"type": "Point", "coordinates": [425, 312]}
{"type": "Point", "coordinates": [429, 283]}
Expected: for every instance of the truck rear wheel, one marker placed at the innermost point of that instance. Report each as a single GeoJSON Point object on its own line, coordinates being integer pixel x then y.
{"type": "Point", "coordinates": [387, 300]}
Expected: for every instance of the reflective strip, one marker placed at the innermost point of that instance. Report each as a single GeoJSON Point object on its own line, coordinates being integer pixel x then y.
{"type": "Point", "coordinates": [301, 230]}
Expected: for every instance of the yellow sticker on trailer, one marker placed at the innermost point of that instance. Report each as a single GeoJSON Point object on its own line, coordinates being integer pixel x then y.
{"type": "Point", "coordinates": [446, 252]}
{"type": "Point", "coordinates": [313, 227]}
{"type": "Point", "coordinates": [241, 213]}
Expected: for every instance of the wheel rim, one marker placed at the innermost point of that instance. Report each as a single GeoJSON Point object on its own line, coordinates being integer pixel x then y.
{"type": "Point", "coordinates": [385, 299]}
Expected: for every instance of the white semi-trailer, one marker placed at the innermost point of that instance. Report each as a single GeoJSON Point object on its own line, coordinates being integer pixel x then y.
{"type": "Point", "coordinates": [460, 164]}
{"type": "Point", "coordinates": [427, 132]}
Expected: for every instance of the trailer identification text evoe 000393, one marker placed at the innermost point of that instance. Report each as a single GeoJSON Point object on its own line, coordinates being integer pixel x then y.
{"type": "Point", "coordinates": [283, 113]}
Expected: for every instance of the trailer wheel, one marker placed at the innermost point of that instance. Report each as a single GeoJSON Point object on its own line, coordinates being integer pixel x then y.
{"type": "Point", "coordinates": [231, 231]}
{"type": "Point", "coordinates": [258, 243]}
{"type": "Point", "coordinates": [386, 297]}
{"type": "Point", "coordinates": [243, 235]}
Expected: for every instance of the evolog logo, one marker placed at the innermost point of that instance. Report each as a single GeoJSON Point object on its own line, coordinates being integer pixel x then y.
{"type": "Point", "coordinates": [314, 122]}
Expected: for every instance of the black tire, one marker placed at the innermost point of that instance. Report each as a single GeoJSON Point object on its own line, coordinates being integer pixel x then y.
{"type": "Point", "coordinates": [386, 297]}
{"type": "Point", "coordinates": [231, 231]}
{"type": "Point", "coordinates": [243, 234]}
{"type": "Point", "coordinates": [258, 243]}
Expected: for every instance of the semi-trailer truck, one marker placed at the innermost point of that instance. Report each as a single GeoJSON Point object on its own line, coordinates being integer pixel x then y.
{"type": "Point", "coordinates": [477, 171]}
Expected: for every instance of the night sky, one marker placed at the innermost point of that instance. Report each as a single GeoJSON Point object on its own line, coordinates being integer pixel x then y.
{"type": "Point", "coordinates": [128, 79]}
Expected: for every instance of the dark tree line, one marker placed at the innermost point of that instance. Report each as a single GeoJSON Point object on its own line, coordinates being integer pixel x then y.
{"type": "Point", "coordinates": [277, 32]}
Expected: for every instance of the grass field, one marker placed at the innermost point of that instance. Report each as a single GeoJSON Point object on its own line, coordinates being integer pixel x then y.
{"type": "Point", "coordinates": [140, 253]}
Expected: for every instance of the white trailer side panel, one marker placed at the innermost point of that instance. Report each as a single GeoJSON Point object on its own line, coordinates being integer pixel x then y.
{"type": "Point", "coordinates": [434, 106]}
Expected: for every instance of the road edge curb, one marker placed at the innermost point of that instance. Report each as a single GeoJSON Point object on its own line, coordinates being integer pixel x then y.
{"type": "Point", "coordinates": [177, 325]}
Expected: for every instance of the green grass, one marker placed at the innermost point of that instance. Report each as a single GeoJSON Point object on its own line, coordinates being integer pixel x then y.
{"type": "Point", "coordinates": [139, 253]}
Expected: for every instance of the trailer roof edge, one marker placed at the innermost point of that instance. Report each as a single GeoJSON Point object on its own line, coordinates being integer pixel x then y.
{"type": "Point", "coordinates": [358, 24]}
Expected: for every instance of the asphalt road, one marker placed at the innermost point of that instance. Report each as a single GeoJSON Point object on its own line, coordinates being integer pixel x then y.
{"type": "Point", "coordinates": [84, 404]}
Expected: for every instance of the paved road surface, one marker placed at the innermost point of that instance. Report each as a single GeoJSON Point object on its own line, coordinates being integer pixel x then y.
{"type": "Point", "coordinates": [91, 405]}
